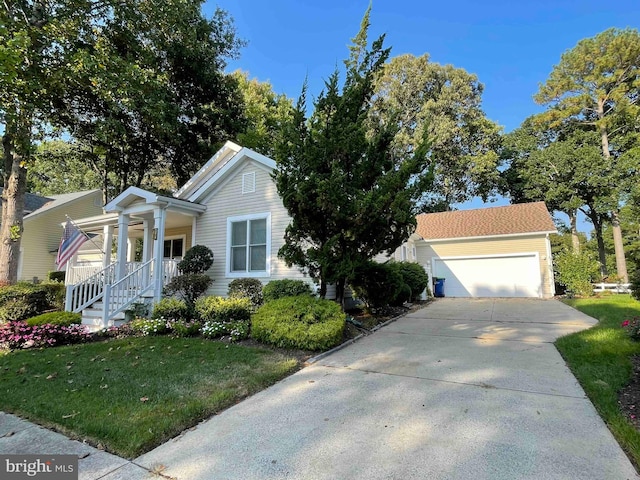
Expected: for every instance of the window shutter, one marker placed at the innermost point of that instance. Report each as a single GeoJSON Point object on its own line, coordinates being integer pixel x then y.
{"type": "Point", "coordinates": [248, 182]}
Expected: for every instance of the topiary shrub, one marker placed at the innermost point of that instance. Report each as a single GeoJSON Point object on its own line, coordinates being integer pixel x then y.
{"type": "Point", "coordinates": [171, 309]}
{"type": "Point", "coordinates": [377, 284]}
{"type": "Point", "coordinates": [55, 318]}
{"type": "Point", "coordinates": [276, 289]}
{"type": "Point", "coordinates": [189, 287]}
{"type": "Point", "coordinates": [198, 259]}
{"type": "Point", "coordinates": [250, 288]}
{"type": "Point", "coordinates": [219, 309]}
{"type": "Point", "coordinates": [193, 282]}
{"type": "Point", "coordinates": [413, 276]}
{"type": "Point", "coordinates": [57, 276]}
{"type": "Point", "coordinates": [299, 322]}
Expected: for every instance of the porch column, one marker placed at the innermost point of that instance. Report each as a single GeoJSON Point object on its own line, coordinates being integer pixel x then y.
{"type": "Point", "coordinates": [147, 240]}
{"type": "Point", "coordinates": [123, 234]}
{"type": "Point", "coordinates": [107, 241]}
{"type": "Point", "coordinates": [159, 216]}
{"type": "Point", "coordinates": [131, 249]}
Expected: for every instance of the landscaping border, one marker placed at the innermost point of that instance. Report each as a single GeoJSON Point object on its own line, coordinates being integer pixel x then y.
{"type": "Point", "coordinates": [322, 355]}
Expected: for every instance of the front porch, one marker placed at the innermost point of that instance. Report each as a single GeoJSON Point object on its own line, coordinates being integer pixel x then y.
{"type": "Point", "coordinates": [143, 236]}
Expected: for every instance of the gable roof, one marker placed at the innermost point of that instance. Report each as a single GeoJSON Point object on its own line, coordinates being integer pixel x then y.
{"type": "Point", "coordinates": [57, 201]}
{"type": "Point", "coordinates": [217, 168]}
{"type": "Point", "coordinates": [32, 202]}
{"type": "Point", "coordinates": [134, 195]}
{"type": "Point", "coordinates": [518, 219]}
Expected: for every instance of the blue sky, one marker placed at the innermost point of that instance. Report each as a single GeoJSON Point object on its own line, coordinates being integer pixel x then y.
{"type": "Point", "coordinates": [510, 45]}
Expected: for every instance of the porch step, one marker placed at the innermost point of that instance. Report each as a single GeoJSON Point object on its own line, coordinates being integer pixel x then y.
{"type": "Point", "coordinates": [92, 317]}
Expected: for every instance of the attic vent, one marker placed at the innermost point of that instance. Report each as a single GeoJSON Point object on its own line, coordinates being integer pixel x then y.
{"type": "Point", "coordinates": [249, 182]}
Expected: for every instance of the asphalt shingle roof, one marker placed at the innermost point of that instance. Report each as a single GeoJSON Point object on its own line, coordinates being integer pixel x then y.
{"type": "Point", "coordinates": [32, 202]}
{"type": "Point", "coordinates": [520, 218]}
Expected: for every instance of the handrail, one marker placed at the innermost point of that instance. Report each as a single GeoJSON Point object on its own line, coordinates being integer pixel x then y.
{"type": "Point", "coordinates": [119, 295]}
{"type": "Point", "coordinates": [90, 290]}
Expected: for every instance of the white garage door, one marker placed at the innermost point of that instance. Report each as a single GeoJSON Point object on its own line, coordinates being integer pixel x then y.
{"type": "Point", "coordinates": [495, 276]}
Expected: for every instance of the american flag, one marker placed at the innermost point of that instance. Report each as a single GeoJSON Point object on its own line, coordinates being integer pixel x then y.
{"type": "Point", "coordinates": [72, 240]}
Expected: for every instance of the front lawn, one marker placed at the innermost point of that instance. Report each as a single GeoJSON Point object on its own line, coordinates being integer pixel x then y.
{"type": "Point", "coordinates": [132, 394]}
{"type": "Point", "coordinates": [600, 358]}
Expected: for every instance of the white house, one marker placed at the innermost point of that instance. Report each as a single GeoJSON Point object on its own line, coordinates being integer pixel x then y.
{"type": "Point", "coordinates": [231, 205]}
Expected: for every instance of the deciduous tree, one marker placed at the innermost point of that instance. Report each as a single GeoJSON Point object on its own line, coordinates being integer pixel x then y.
{"type": "Point", "coordinates": [444, 101]}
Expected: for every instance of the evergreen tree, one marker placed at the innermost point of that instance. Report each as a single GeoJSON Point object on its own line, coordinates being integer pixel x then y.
{"type": "Point", "coordinates": [349, 195]}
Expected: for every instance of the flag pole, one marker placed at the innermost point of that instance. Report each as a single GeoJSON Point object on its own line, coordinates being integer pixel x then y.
{"type": "Point", "coordinates": [84, 233]}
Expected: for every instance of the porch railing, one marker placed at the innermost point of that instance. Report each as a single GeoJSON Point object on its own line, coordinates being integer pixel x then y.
{"type": "Point", "coordinates": [79, 273]}
{"type": "Point", "coordinates": [119, 295]}
{"type": "Point", "coordinates": [90, 289]}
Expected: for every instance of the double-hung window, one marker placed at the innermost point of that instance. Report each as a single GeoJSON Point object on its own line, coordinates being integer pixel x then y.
{"type": "Point", "coordinates": [249, 245]}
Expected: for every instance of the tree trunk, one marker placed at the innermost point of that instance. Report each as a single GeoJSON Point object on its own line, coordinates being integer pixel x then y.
{"type": "Point", "coordinates": [597, 226]}
{"type": "Point", "coordinates": [621, 261]}
{"type": "Point", "coordinates": [340, 289]}
{"type": "Point", "coordinates": [575, 239]}
{"type": "Point", "coordinates": [15, 181]}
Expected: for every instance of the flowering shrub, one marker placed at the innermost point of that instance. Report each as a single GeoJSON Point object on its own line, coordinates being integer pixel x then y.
{"type": "Point", "coordinates": [633, 328]}
{"type": "Point", "coordinates": [236, 330]}
{"type": "Point", "coordinates": [16, 335]}
{"type": "Point", "coordinates": [121, 331]}
{"type": "Point", "coordinates": [151, 326]}
{"type": "Point", "coordinates": [186, 328]}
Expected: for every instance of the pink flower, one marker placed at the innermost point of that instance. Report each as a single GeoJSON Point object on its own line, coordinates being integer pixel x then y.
{"type": "Point", "coordinates": [625, 323]}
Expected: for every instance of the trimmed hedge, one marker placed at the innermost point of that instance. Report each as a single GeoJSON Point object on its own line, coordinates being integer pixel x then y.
{"type": "Point", "coordinates": [301, 322]}
{"type": "Point", "coordinates": [250, 288]}
{"type": "Point", "coordinates": [55, 318]}
{"type": "Point", "coordinates": [219, 309]}
{"type": "Point", "coordinates": [378, 284]}
{"type": "Point", "coordinates": [276, 289]}
{"type": "Point", "coordinates": [24, 300]}
{"type": "Point", "coordinates": [171, 309]}
{"type": "Point", "coordinates": [414, 276]}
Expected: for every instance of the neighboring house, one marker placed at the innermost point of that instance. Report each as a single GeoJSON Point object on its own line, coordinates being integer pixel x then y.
{"type": "Point", "coordinates": [42, 231]}
{"type": "Point", "coordinates": [488, 252]}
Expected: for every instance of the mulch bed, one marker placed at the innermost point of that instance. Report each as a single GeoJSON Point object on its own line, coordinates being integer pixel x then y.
{"type": "Point", "coordinates": [367, 320]}
{"type": "Point", "coordinates": [629, 395]}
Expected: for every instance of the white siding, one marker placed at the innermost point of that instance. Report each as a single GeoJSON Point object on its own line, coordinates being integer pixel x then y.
{"type": "Point", "coordinates": [492, 246]}
{"type": "Point", "coordinates": [227, 200]}
{"type": "Point", "coordinates": [42, 235]}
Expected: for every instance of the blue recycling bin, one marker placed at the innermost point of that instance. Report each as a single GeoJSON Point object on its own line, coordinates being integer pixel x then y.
{"type": "Point", "coordinates": [438, 287]}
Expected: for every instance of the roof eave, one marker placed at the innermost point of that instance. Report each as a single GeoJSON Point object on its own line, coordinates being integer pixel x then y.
{"type": "Point", "coordinates": [479, 237]}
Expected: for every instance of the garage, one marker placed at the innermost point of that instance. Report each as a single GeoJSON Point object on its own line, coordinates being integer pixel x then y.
{"type": "Point", "coordinates": [487, 252]}
{"type": "Point", "coordinates": [490, 276]}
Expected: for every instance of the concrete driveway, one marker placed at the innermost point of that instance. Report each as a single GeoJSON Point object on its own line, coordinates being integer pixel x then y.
{"type": "Point", "coordinates": [460, 389]}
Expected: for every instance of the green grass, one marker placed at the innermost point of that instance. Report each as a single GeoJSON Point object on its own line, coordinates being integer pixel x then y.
{"type": "Point", "coordinates": [600, 360]}
{"type": "Point", "coordinates": [131, 395]}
